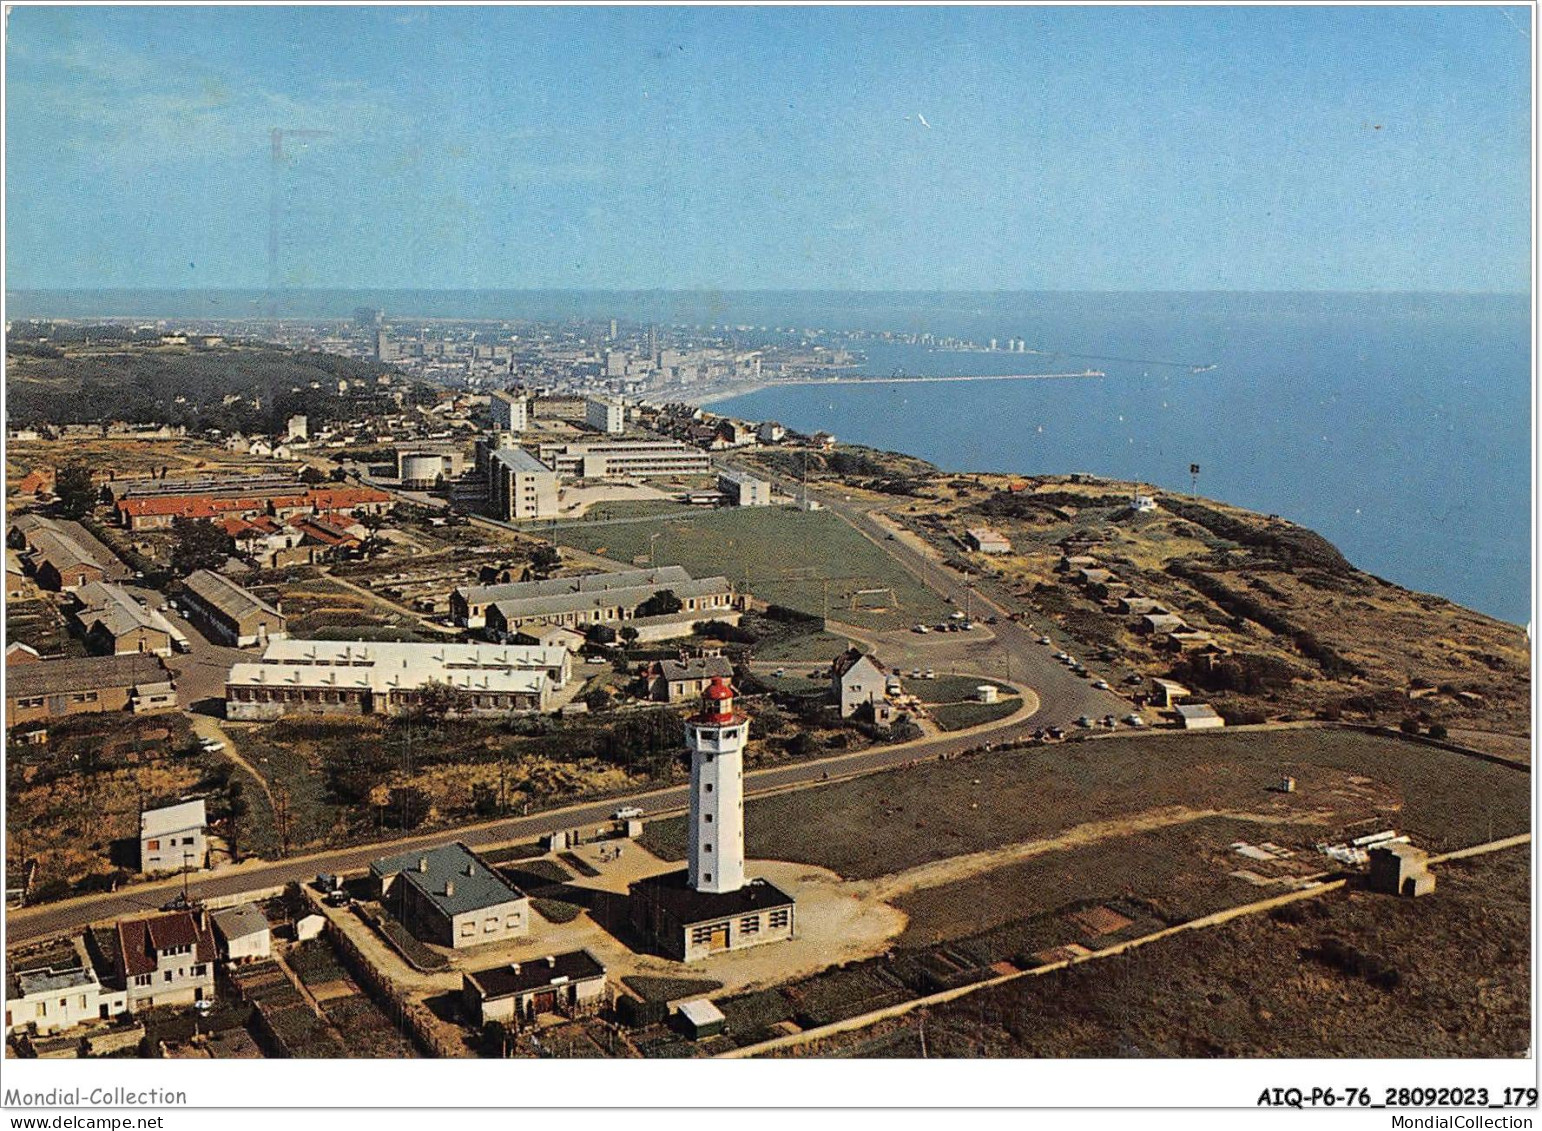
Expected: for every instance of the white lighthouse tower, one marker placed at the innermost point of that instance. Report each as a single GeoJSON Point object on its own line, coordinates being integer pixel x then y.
{"type": "Point", "coordinates": [716, 736]}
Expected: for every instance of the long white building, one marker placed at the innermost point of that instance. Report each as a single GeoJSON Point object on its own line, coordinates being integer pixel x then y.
{"type": "Point", "coordinates": [626, 459]}
{"type": "Point", "coordinates": [357, 678]}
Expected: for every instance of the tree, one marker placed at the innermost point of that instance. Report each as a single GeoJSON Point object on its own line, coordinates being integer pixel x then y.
{"type": "Point", "coordinates": [311, 475]}
{"type": "Point", "coordinates": [629, 635]}
{"type": "Point", "coordinates": [545, 560]}
{"type": "Point", "coordinates": [660, 604]}
{"type": "Point", "coordinates": [438, 701]}
{"type": "Point", "coordinates": [236, 807]}
{"type": "Point", "coordinates": [408, 806]}
{"type": "Point", "coordinates": [199, 545]}
{"type": "Point", "coordinates": [75, 490]}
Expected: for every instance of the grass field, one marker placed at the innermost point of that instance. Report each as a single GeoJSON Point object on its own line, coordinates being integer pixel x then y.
{"type": "Point", "coordinates": [1347, 975]}
{"type": "Point", "coordinates": [783, 556]}
{"type": "Point", "coordinates": [959, 716]}
{"type": "Point", "coordinates": [1346, 780]}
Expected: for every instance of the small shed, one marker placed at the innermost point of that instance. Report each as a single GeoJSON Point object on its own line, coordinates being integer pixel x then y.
{"type": "Point", "coordinates": [1198, 716]}
{"type": "Point", "coordinates": [702, 1019]}
{"type": "Point", "coordinates": [308, 927]}
{"type": "Point", "coordinates": [985, 693]}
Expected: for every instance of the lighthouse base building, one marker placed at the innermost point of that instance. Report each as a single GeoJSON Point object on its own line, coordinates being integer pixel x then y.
{"type": "Point", "coordinates": [685, 924]}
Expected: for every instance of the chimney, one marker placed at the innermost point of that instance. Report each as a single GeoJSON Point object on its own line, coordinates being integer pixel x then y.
{"type": "Point", "coordinates": [514, 966]}
{"type": "Point", "coordinates": [449, 888]}
{"type": "Point", "coordinates": [551, 960]}
{"type": "Point", "coordinates": [422, 863]}
{"type": "Point", "coordinates": [471, 869]}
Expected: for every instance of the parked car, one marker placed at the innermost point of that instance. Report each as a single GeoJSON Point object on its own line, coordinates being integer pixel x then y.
{"type": "Point", "coordinates": [1084, 722]}
{"type": "Point", "coordinates": [779, 673]}
{"type": "Point", "coordinates": [596, 660]}
{"type": "Point", "coordinates": [1044, 640]}
{"type": "Point", "coordinates": [1100, 684]}
{"type": "Point", "coordinates": [930, 674]}
{"type": "Point", "coordinates": [921, 628]}
{"type": "Point", "coordinates": [627, 813]}
{"type": "Point", "coordinates": [1134, 720]}
{"type": "Point", "coordinates": [211, 746]}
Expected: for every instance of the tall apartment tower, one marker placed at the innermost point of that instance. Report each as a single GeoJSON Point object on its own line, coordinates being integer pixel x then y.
{"type": "Point", "coordinates": [716, 737]}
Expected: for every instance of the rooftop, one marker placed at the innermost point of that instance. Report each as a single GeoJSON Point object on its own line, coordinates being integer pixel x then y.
{"type": "Point", "coordinates": [218, 592]}
{"type": "Point", "coordinates": [700, 667]}
{"type": "Point", "coordinates": [240, 921]}
{"type": "Point", "coordinates": [591, 599]}
{"type": "Point", "coordinates": [583, 583]}
{"type": "Point", "coordinates": [173, 818]}
{"type": "Point", "coordinates": [517, 459]}
{"type": "Point", "coordinates": [87, 673]}
{"type": "Point", "coordinates": [521, 977]}
{"type": "Point", "coordinates": [672, 892]}
{"type": "Point", "coordinates": [140, 940]}
{"type": "Point", "coordinates": [453, 877]}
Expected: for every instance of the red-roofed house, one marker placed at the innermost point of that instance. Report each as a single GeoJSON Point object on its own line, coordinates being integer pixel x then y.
{"type": "Point", "coordinates": [166, 960]}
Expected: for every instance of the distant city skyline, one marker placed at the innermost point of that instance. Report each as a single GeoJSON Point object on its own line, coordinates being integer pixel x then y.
{"type": "Point", "coordinates": [930, 149]}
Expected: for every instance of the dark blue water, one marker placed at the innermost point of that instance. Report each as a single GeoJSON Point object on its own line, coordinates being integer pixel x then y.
{"type": "Point", "coordinates": [1399, 428]}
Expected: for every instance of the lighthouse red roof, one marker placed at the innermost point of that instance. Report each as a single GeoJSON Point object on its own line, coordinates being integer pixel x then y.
{"type": "Point", "coordinates": [719, 688]}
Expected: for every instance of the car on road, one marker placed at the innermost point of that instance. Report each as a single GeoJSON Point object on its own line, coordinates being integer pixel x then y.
{"type": "Point", "coordinates": [627, 813]}
{"type": "Point", "coordinates": [211, 746]}
{"type": "Point", "coordinates": [1100, 684]}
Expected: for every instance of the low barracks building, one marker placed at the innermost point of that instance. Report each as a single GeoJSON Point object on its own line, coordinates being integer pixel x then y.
{"type": "Point", "coordinates": [54, 689]}
{"type": "Point", "coordinates": [342, 678]}
{"type": "Point", "coordinates": [469, 604]}
{"type": "Point", "coordinates": [450, 896]}
{"type": "Point", "coordinates": [706, 599]}
{"type": "Point", "coordinates": [231, 614]}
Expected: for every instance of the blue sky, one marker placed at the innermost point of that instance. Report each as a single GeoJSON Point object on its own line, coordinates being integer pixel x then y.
{"type": "Point", "coordinates": [1063, 149]}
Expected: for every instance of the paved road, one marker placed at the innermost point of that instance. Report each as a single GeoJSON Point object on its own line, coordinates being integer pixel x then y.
{"type": "Point", "coordinates": [70, 915]}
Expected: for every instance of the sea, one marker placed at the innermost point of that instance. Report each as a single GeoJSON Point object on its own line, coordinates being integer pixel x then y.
{"type": "Point", "coordinates": [1396, 425]}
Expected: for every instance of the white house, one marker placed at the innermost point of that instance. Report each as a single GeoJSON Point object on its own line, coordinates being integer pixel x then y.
{"type": "Point", "coordinates": [243, 934]}
{"type": "Point", "coordinates": [858, 679]}
{"type": "Point", "coordinates": [172, 838]}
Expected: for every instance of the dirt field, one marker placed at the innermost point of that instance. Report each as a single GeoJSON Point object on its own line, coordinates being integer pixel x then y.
{"type": "Point", "coordinates": [1348, 975]}
{"type": "Point", "coordinates": [1348, 781]}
